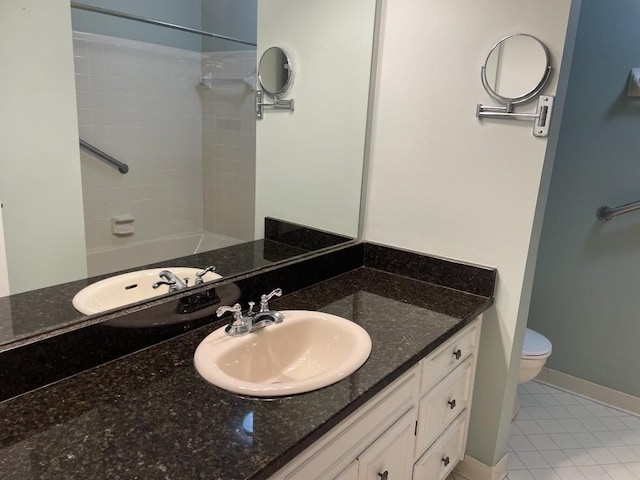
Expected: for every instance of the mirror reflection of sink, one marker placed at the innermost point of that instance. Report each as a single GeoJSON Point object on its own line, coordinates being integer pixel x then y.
{"type": "Point", "coordinates": [130, 288]}
{"type": "Point", "coordinates": [307, 351]}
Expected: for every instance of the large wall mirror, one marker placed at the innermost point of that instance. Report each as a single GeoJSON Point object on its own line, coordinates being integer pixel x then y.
{"type": "Point", "coordinates": [178, 109]}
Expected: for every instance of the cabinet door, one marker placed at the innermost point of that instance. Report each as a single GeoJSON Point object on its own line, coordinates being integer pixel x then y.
{"type": "Point", "coordinates": [389, 457]}
{"type": "Point", "coordinates": [349, 473]}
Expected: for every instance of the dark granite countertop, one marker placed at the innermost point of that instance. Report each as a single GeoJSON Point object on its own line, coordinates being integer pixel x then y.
{"type": "Point", "coordinates": [150, 416]}
{"type": "Point", "coordinates": [39, 312]}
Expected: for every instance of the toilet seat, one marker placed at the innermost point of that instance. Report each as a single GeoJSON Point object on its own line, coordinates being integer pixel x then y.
{"type": "Point", "coordinates": [535, 345]}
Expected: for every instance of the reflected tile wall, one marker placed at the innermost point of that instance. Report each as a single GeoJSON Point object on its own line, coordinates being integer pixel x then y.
{"type": "Point", "coordinates": [139, 102]}
{"type": "Point", "coordinates": [229, 143]}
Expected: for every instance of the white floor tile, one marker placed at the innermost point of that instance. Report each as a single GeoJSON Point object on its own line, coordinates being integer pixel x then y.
{"type": "Point", "coordinates": [546, 399]}
{"type": "Point", "coordinates": [561, 436]}
{"type": "Point", "coordinates": [608, 439]}
{"type": "Point", "coordinates": [594, 425]}
{"type": "Point", "coordinates": [539, 413]}
{"type": "Point", "coordinates": [613, 423]}
{"type": "Point", "coordinates": [566, 399]}
{"type": "Point", "coordinates": [580, 457]}
{"type": "Point", "coordinates": [594, 473]}
{"type": "Point", "coordinates": [564, 440]}
{"type": "Point", "coordinates": [634, 468]}
{"type": "Point", "coordinates": [619, 472]}
{"type": "Point", "coordinates": [569, 473]}
{"type": "Point", "coordinates": [572, 425]}
{"type": "Point", "coordinates": [559, 411]}
{"type": "Point", "coordinates": [529, 427]}
{"type": "Point", "coordinates": [533, 460]}
{"type": "Point", "coordinates": [544, 474]}
{"type": "Point", "coordinates": [519, 475]}
{"type": "Point", "coordinates": [603, 456]}
{"type": "Point", "coordinates": [514, 463]}
{"type": "Point", "coordinates": [586, 439]}
{"type": "Point", "coordinates": [542, 441]}
{"type": "Point", "coordinates": [557, 458]}
{"type": "Point", "coordinates": [625, 454]}
{"type": "Point", "coordinates": [550, 426]}
{"type": "Point", "coordinates": [520, 443]}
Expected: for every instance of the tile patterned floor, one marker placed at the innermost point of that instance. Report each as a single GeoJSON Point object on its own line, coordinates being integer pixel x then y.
{"type": "Point", "coordinates": [562, 436]}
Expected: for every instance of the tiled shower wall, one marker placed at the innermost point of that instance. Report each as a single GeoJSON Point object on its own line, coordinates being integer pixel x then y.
{"type": "Point", "coordinates": [143, 104]}
{"type": "Point", "coordinates": [229, 143]}
{"type": "Point", "coordinates": [138, 102]}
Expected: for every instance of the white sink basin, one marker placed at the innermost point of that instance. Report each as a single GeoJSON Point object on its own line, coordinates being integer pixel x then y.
{"type": "Point", "coordinates": [307, 351]}
{"type": "Point", "coordinates": [129, 288]}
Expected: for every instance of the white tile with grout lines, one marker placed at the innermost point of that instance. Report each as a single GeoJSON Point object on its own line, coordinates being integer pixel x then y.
{"type": "Point", "coordinates": [563, 436]}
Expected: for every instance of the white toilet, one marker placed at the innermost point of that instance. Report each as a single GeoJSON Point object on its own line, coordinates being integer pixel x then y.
{"type": "Point", "coordinates": [535, 351]}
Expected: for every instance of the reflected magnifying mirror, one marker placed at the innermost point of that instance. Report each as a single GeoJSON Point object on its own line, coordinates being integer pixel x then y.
{"type": "Point", "coordinates": [275, 75]}
{"type": "Point", "coordinates": [275, 72]}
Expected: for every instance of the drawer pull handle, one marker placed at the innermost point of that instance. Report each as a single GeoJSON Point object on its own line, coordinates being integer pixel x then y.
{"type": "Point", "coordinates": [457, 354]}
{"type": "Point", "coordinates": [446, 461]}
{"type": "Point", "coordinates": [452, 404]}
{"type": "Point", "coordinates": [384, 475]}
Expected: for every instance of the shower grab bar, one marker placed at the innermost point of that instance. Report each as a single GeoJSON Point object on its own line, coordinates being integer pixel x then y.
{"type": "Point", "coordinates": [136, 18]}
{"type": "Point", "coordinates": [122, 167]}
{"type": "Point", "coordinates": [605, 213]}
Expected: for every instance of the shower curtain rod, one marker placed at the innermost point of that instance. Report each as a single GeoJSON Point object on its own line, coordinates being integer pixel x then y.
{"type": "Point", "coordinates": [113, 13]}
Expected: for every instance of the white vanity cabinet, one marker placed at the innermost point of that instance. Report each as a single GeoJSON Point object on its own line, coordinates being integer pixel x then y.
{"type": "Point", "coordinates": [416, 428]}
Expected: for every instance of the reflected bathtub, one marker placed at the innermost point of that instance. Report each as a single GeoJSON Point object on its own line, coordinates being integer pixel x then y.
{"type": "Point", "coordinates": [101, 261]}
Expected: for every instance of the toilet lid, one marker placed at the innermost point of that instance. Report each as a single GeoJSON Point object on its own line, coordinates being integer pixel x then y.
{"type": "Point", "coordinates": [535, 344]}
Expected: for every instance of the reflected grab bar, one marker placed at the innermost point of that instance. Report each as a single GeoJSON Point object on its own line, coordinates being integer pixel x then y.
{"type": "Point", "coordinates": [136, 18]}
{"type": "Point", "coordinates": [122, 167]}
{"type": "Point", "coordinates": [605, 213]}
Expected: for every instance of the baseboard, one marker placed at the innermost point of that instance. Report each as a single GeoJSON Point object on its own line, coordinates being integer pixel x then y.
{"type": "Point", "coordinates": [473, 469]}
{"type": "Point", "coordinates": [593, 391]}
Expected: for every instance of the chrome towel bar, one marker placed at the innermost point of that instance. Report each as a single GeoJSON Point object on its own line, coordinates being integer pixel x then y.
{"type": "Point", "coordinates": [605, 213]}
{"type": "Point", "coordinates": [136, 18]}
{"type": "Point", "coordinates": [122, 167]}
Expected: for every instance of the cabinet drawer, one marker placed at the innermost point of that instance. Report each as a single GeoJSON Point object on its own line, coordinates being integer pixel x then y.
{"type": "Point", "coordinates": [334, 451]}
{"type": "Point", "coordinates": [443, 456]}
{"type": "Point", "coordinates": [390, 455]}
{"type": "Point", "coordinates": [448, 356]}
{"type": "Point", "coordinates": [443, 404]}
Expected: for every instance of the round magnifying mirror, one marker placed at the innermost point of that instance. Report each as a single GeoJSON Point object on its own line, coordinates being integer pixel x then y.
{"type": "Point", "coordinates": [516, 69]}
{"type": "Point", "coordinates": [275, 72]}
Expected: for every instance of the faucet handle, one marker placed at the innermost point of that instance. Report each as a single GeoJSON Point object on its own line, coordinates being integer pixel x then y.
{"type": "Point", "coordinates": [202, 273]}
{"type": "Point", "coordinates": [236, 310]}
{"type": "Point", "coordinates": [171, 284]}
{"type": "Point", "coordinates": [264, 299]}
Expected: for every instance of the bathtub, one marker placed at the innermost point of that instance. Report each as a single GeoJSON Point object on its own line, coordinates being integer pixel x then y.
{"type": "Point", "coordinates": [113, 259]}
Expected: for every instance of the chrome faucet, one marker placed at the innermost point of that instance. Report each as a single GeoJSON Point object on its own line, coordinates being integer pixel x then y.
{"type": "Point", "coordinates": [241, 324]}
{"type": "Point", "coordinates": [199, 275]}
{"type": "Point", "coordinates": [169, 278]}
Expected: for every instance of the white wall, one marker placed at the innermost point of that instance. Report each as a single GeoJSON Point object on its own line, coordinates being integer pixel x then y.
{"type": "Point", "coordinates": [40, 168]}
{"type": "Point", "coordinates": [585, 296]}
{"type": "Point", "coordinates": [444, 183]}
{"type": "Point", "coordinates": [309, 162]}
{"type": "Point", "coordinates": [4, 272]}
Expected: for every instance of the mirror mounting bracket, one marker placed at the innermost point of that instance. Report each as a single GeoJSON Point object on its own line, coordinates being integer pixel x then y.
{"type": "Point", "coordinates": [541, 118]}
{"type": "Point", "coordinates": [277, 104]}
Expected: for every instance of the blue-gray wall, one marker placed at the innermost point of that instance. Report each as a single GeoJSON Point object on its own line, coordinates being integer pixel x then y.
{"type": "Point", "coordinates": [235, 18]}
{"type": "Point", "coordinates": [586, 295]}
